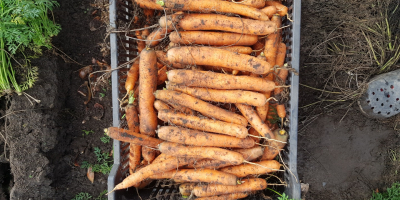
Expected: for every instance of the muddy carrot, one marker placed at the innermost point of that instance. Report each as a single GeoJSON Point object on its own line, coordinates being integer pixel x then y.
{"type": "Point", "coordinates": [212, 38]}
{"type": "Point", "coordinates": [232, 196]}
{"type": "Point", "coordinates": [282, 73]}
{"type": "Point", "coordinates": [255, 120]}
{"type": "Point", "coordinates": [260, 168]}
{"type": "Point", "coordinates": [248, 185]}
{"type": "Point", "coordinates": [149, 4]}
{"type": "Point", "coordinates": [156, 36]}
{"type": "Point", "coordinates": [162, 75]}
{"type": "Point", "coordinates": [132, 77]}
{"type": "Point", "coordinates": [132, 137]}
{"type": "Point", "coordinates": [272, 42]}
{"type": "Point", "coordinates": [162, 58]}
{"type": "Point", "coordinates": [135, 151]}
{"type": "Point", "coordinates": [269, 11]}
{"type": "Point", "coordinates": [281, 9]}
{"type": "Point", "coordinates": [274, 147]}
{"type": "Point", "coordinates": [186, 188]}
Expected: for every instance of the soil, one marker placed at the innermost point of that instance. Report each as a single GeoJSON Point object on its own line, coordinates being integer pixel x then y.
{"type": "Point", "coordinates": [339, 157]}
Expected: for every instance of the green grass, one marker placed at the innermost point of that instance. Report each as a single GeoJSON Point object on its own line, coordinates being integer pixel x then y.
{"type": "Point", "coordinates": [392, 193]}
{"type": "Point", "coordinates": [103, 164]}
{"type": "Point", "coordinates": [82, 196]}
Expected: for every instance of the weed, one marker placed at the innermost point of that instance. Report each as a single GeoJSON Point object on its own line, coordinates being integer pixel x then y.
{"type": "Point", "coordinates": [101, 195]}
{"type": "Point", "coordinates": [30, 176]}
{"type": "Point", "coordinates": [85, 132]}
{"type": "Point", "coordinates": [282, 196]}
{"type": "Point", "coordinates": [123, 116]}
{"type": "Point", "coordinates": [105, 139]}
{"type": "Point", "coordinates": [391, 193]}
{"type": "Point", "coordinates": [102, 95]}
{"type": "Point", "coordinates": [104, 162]}
{"type": "Point", "coordinates": [82, 196]}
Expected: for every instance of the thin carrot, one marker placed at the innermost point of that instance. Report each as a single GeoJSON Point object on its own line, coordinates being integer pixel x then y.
{"type": "Point", "coordinates": [269, 11]}
{"type": "Point", "coordinates": [179, 150]}
{"type": "Point", "coordinates": [223, 96]}
{"type": "Point", "coordinates": [202, 124]}
{"type": "Point", "coordinates": [255, 120]}
{"type": "Point", "coordinates": [132, 77]}
{"type": "Point", "coordinates": [192, 78]}
{"type": "Point", "coordinates": [198, 138]}
{"type": "Point", "coordinates": [145, 31]}
{"type": "Point", "coordinates": [232, 196]}
{"type": "Point", "coordinates": [272, 42]}
{"type": "Point", "coordinates": [261, 168]}
{"type": "Point", "coordinates": [212, 38]}
{"type": "Point", "coordinates": [253, 3]}
{"type": "Point", "coordinates": [140, 43]}
{"type": "Point", "coordinates": [217, 57]}
{"type": "Point", "coordinates": [238, 49]}
{"type": "Point", "coordinates": [259, 46]}
{"type": "Point", "coordinates": [281, 9]}
{"type": "Point", "coordinates": [203, 107]}
{"type": "Point", "coordinates": [193, 22]}
{"type": "Point", "coordinates": [248, 185]}
{"type": "Point", "coordinates": [183, 109]}
{"type": "Point", "coordinates": [280, 109]}
{"type": "Point", "coordinates": [162, 75]}
{"type": "Point", "coordinates": [282, 73]}
{"type": "Point", "coordinates": [274, 147]}
{"type": "Point", "coordinates": [135, 151]}
{"type": "Point", "coordinates": [253, 131]}
{"type": "Point", "coordinates": [149, 4]}
{"type": "Point", "coordinates": [216, 6]}
{"type": "Point", "coordinates": [149, 154]}
{"type": "Point", "coordinates": [132, 137]}
{"type": "Point", "coordinates": [161, 105]}
{"type": "Point", "coordinates": [156, 36]}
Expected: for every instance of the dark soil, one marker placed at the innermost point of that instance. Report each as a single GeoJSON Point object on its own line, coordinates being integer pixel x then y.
{"type": "Point", "coordinates": [46, 140]}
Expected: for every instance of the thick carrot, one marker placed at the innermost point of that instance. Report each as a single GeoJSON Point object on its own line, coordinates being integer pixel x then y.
{"type": "Point", "coordinates": [162, 75]}
{"type": "Point", "coordinates": [238, 49]}
{"type": "Point", "coordinates": [248, 185]}
{"type": "Point", "coordinates": [149, 4]}
{"type": "Point", "coordinates": [186, 188]}
{"type": "Point", "coordinates": [205, 175]}
{"type": "Point", "coordinates": [263, 110]}
{"type": "Point", "coordinates": [255, 120]}
{"type": "Point", "coordinates": [223, 96]}
{"type": "Point", "coordinates": [147, 85]}
{"type": "Point", "coordinates": [194, 22]}
{"type": "Point", "coordinates": [148, 154]}
{"type": "Point", "coordinates": [132, 77]}
{"type": "Point", "coordinates": [269, 11]}
{"type": "Point", "coordinates": [272, 42]}
{"type": "Point", "coordinates": [164, 175]}
{"type": "Point", "coordinates": [282, 73]}
{"type": "Point", "coordinates": [260, 168]}
{"type": "Point", "coordinates": [198, 138]}
{"type": "Point", "coordinates": [203, 107]}
{"type": "Point", "coordinates": [198, 123]}
{"type": "Point", "coordinates": [217, 57]}
{"type": "Point", "coordinates": [156, 36]}
{"type": "Point", "coordinates": [161, 157]}
{"type": "Point", "coordinates": [162, 58]}
{"type": "Point", "coordinates": [132, 137]}
{"type": "Point", "coordinates": [178, 150]}
{"type": "Point", "coordinates": [232, 196]}
{"type": "Point", "coordinates": [216, 69]}
{"type": "Point", "coordinates": [253, 3]}
{"type": "Point", "coordinates": [183, 109]}
{"type": "Point", "coordinates": [274, 147]}
{"type": "Point", "coordinates": [281, 9]}
{"type": "Point", "coordinates": [248, 154]}
{"type": "Point", "coordinates": [214, 80]}
{"type": "Point", "coordinates": [216, 6]}
{"type": "Point", "coordinates": [135, 151]}
{"type": "Point", "coordinates": [142, 174]}
{"type": "Point", "coordinates": [212, 38]}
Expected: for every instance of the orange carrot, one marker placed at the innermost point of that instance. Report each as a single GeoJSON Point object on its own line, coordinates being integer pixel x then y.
{"type": "Point", "coordinates": [212, 38]}
{"type": "Point", "coordinates": [198, 138]}
{"type": "Point", "coordinates": [280, 109]}
{"type": "Point", "coordinates": [253, 131]}
{"type": "Point", "coordinates": [281, 9]}
{"type": "Point", "coordinates": [217, 57]}
{"type": "Point", "coordinates": [145, 32]}
{"type": "Point", "coordinates": [248, 185]}
{"type": "Point", "coordinates": [186, 188]}
{"type": "Point", "coordinates": [269, 11]}
{"type": "Point", "coordinates": [140, 43]}
{"type": "Point", "coordinates": [253, 3]}
{"type": "Point", "coordinates": [223, 96]}
{"type": "Point", "coordinates": [274, 147]}
{"type": "Point", "coordinates": [272, 42]}
{"type": "Point", "coordinates": [161, 105]}
{"type": "Point", "coordinates": [259, 46]}
{"type": "Point", "coordinates": [132, 137]}
{"type": "Point", "coordinates": [149, 14]}
{"type": "Point", "coordinates": [260, 168]}
{"type": "Point", "coordinates": [162, 58]}
{"type": "Point", "coordinates": [203, 107]}
{"type": "Point", "coordinates": [132, 77]}
{"type": "Point", "coordinates": [214, 80]}
{"type": "Point", "coordinates": [238, 49]}
{"type": "Point", "coordinates": [135, 151]}
{"type": "Point", "coordinates": [148, 154]}
{"type": "Point", "coordinates": [198, 123]}
{"type": "Point", "coordinates": [179, 150]}
{"type": "Point", "coordinates": [255, 120]}
{"type": "Point", "coordinates": [183, 109]}
{"type": "Point", "coordinates": [231, 196]}
{"type": "Point", "coordinates": [149, 4]}
{"type": "Point", "coordinates": [162, 75]}
{"type": "Point", "coordinates": [216, 6]}
{"type": "Point", "coordinates": [193, 22]}
{"type": "Point", "coordinates": [161, 157]}
{"type": "Point", "coordinates": [156, 36]}
{"type": "Point", "coordinates": [282, 73]}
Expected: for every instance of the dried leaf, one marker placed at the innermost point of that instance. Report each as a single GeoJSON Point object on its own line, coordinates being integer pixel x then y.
{"type": "Point", "coordinates": [90, 174]}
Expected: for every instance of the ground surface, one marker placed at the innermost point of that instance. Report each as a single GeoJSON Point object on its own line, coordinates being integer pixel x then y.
{"type": "Point", "coordinates": [340, 160]}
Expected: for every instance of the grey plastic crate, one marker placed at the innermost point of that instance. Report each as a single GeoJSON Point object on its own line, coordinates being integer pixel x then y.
{"type": "Point", "coordinates": [123, 49]}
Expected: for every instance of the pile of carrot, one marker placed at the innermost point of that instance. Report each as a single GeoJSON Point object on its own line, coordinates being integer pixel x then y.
{"type": "Point", "coordinates": [204, 110]}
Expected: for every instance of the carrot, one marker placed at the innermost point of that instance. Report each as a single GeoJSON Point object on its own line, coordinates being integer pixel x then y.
{"type": "Point", "coordinates": [231, 196]}
{"type": "Point", "coordinates": [244, 170]}
{"type": "Point", "coordinates": [280, 109]}
{"type": "Point", "coordinates": [251, 154]}
{"type": "Point", "coordinates": [281, 9]}
{"type": "Point", "coordinates": [217, 57]}
{"type": "Point", "coordinates": [238, 49]}
{"type": "Point", "coordinates": [148, 154]}
{"type": "Point", "coordinates": [164, 175]}
{"type": "Point", "coordinates": [223, 96]}
{"type": "Point", "coordinates": [162, 75]}
{"type": "Point", "coordinates": [148, 13]}
{"type": "Point", "coordinates": [282, 73]}
{"type": "Point", "coordinates": [259, 46]}
{"type": "Point", "coordinates": [132, 137]}
{"type": "Point", "coordinates": [135, 151]}
{"type": "Point", "coordinates": [274, 147]}
{"type": "Point", "coordinates": [255, 120]}
{"type": "Point", "coordinates": [212, 38]}
{"type": "Point", "coordinates": [149, 4]}
{"type": "Point", "coordinates": [198, 138]}
{"type": "Point", "coordinates": [161, 105]}
{"type": "Point", "coordinates": [194, 22]}
{"type": "Point", "coordinates": [140, 43]}
{"type": "Point", "coordinates": [272, 42]}
{"type": "Point", "coordinates": [203, 107]}
{"type": "Point", "coordinates": [262, 110]}
{"type": "Point", "coordinates": [248, 185]}
{"type": "Point", "coordinates": [198, 123]}
{"type": "Point", "coordinates": [162, 58]}
{"type": "Point", "coordinates": [132, 77]}
{"type": "Point", "coordinates": [253, 131]}
{"type": "Point", "coordinates": [147, 85]}
{"type": "Point", "coordinates": [170, 22]}
{"type": "Point", "coordinates": [186, 188]}
{"type": "Point", "coordinates": [216, 69]}
{"type": "Point", "coordinates": [205, 175]}
{"type": "Point", "coordinates": [216, 6]}
{"type": "Point", "coordinates": [214, 80]}
{"type": "Point", "coordinates": [179, 150]}
{"type": "Point", "coordinates": [145, 31]}
{"type": "Point", "coordinates": [161, 158]}
{"type": "Point", "coordinates": [146, 172]}
{"type": "Point", "coordinates": [269, 11]}
{"type": "Point", "coordinates": [156, 36]}
{"type": "Point", "coordinates": [183, 109]}
{"type": "Point", "coordinates": [253, 3]}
